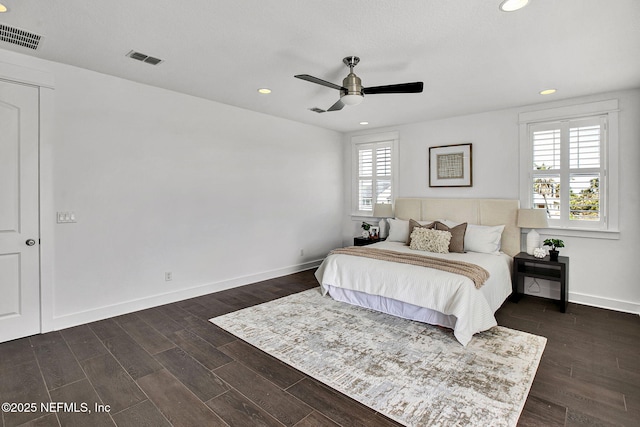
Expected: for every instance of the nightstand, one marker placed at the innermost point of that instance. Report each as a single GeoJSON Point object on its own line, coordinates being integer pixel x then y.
{"type": "Point", "coordinates": [361, 241]}
{"type": "Point", "coordinates": [525, 265]}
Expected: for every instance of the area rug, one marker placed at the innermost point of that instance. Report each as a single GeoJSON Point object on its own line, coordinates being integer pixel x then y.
{"type": "Point", "coordinates": [416, 374]}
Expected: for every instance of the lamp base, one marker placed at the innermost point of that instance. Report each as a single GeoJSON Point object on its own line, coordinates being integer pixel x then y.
{"type": "Point", "coordinates": [384, 228]}
{"type": "Point", "coordinates": [533, 241]}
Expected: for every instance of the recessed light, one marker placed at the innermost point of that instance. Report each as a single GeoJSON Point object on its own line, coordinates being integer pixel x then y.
{"type": "Point", "coordinates": [547, 91]}
{"type": "Point", "coordinates": [364, 123]}
{"type": "Point", "coordinates": [3, 8]}
{"type": "Point", "coordinates": [264, 90]}
{"type": "Point", "coordinates": [513, 5]}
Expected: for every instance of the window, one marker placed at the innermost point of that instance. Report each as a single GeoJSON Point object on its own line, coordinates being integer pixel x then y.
{"type": "Point", "coordinates": [569, 152]}
{"type": "Point", "coordinates": [374, 171]}
{"type": "Point", "coordinates": [567, 168]}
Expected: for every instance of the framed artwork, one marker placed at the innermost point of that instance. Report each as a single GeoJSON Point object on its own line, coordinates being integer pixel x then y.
{"type": "Point", "coordinates": [450, 166]}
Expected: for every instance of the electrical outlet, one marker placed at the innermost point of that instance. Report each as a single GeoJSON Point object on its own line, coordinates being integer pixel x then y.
{"type": "Point", "coordinates": [168, 276]}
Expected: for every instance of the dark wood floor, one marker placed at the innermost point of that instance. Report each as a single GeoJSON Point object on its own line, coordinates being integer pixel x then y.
{"type": "Point", "coordinates": [170, 366]}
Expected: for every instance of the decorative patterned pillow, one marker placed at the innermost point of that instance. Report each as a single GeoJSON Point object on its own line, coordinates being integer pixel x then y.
{"type": "Point", "coordinates": [413, 224]}
{"type": "Point", "coordinates": [430, 240]}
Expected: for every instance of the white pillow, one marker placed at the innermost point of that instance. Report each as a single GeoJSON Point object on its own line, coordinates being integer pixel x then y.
{"type": "Point", "coordinates": [483, 238]}
{"type": "Point", "coordinates": [399, 229]}
{"type": "Point", "coordinates": [428, 239]}
{"type": "Point", "coordinates": [480, 238]}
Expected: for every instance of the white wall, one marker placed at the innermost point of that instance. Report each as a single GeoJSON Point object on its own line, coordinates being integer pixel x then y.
{"type": "Point", "coordinates": [601, 271]}
{"type": "Point", "coordinates": [161, 181]}
{"type": "Point", "coordinates": [222, 196]}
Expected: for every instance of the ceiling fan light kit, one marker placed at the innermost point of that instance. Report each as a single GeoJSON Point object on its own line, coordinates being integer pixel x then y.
{"type": "Point", "coordinates": [351, 99]}
{"type": "Point", "coordinates": [352, 92]}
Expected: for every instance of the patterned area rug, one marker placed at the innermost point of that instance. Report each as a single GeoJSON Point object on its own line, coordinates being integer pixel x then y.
{"type": "Point", "coordinates": [416, 374]}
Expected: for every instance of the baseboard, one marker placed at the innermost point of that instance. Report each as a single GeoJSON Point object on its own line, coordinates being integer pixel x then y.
{"type": "Point", "coordinates": [547, 290]}
{"type": "Point", "coordinates": [105, 312]}
{"type": "Point", "coordinates": [608, 303]}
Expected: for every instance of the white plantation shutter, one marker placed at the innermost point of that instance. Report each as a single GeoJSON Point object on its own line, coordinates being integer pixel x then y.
{"type": "Point", "coordinates": [374, 173]}
{"type": "Point", "coordinates": [546, 167]}
{"type": "Point", "coordinates": [568, 171]}
{"type": "Point", "coordinates": [365, 178]}
{"type": "Point", "coordinates": [546, 149]}
{"type": "Point", "coordinates": [383, 173]}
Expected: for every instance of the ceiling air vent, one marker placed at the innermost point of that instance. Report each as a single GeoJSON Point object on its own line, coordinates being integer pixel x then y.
{"type": "Point", "coordinates": [20, 37]}
{"type": "Point", "coordinates": [144, 58]}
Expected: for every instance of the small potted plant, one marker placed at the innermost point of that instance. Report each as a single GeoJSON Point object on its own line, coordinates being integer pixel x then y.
{"type": "Point", "coordinates": [553, 252]}
{"type": "Point", "coordinates": [365, 227]}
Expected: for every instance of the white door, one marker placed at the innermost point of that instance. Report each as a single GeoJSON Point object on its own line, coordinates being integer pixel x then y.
{"type": "Point", "coordinates": [19, 230]}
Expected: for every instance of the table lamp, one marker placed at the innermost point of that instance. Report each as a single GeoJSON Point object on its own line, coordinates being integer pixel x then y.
{"type": "Point", "coordinates": [382, 211]}
{"type": "Point", "coordinates": [532, 218]}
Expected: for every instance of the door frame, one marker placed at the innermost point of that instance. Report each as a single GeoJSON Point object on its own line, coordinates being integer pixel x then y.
{"type": "Point", "coordinates": [44, 81]}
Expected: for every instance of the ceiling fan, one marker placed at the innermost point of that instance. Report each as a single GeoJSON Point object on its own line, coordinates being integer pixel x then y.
{"type": "Point", "coordinates": [352, 92]}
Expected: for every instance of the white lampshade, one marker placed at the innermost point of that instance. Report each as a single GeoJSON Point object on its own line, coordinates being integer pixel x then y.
{"type": "Point", "coordinates": [532, 218]}
{"type": "Point", "coordinates": [352, 99]}
{"type": "Point", "coordinates": [382, 210]}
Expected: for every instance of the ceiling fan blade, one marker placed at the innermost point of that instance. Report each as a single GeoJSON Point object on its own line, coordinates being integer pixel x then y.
{"type": "Point", "coordinates": [316, 80]}
{"type": "Point", "coordinates": [337, 106]}
{"type": "Point", "coordinates": [415, 87]}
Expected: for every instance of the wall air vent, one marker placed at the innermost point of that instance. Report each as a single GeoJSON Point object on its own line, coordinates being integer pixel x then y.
{"type": "Point", "coordinates": [144, 58]}
{"type": "Point", "coordinates": [317, 110]}
{"type": "Point", "coordinates": [19, 37]}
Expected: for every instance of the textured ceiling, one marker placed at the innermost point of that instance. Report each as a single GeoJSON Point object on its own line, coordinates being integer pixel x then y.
{"type": "Point", "coordinates": [471, 56]}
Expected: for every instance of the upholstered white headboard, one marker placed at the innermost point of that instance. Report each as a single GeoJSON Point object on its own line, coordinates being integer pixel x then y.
{"type": "Point", "coordinates": [473, 211]}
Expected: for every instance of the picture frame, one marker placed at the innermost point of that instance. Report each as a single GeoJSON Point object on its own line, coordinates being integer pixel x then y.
{"type": "Point", "coordinates": [451, 166]}
{"type": "Point", "coordinates": [374, 232]}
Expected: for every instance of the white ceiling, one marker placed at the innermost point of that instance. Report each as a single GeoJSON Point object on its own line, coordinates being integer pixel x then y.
{"type": "Point", "coordinates": [471, 56]}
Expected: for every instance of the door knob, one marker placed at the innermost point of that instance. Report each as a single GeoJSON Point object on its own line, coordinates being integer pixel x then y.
{"type": "Point", "coordinates": [30, 242]}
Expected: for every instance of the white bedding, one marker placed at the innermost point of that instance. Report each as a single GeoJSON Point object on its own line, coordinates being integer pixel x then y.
{"type": "Point", "coordinates": [447, 293]}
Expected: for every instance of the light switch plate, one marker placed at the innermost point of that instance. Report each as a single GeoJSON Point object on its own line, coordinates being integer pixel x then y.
{"type": "Point", "coordinates": [66, 217]}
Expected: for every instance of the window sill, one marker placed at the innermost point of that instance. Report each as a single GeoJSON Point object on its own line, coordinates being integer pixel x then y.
{"type": "Point", "coordinates": [586, 233]}
{"type": "Point", "coordinates": [361, 217]}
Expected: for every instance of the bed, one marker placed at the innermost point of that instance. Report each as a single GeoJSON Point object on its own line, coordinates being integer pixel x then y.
{"type": "Point", "coordinates": [426, 294]}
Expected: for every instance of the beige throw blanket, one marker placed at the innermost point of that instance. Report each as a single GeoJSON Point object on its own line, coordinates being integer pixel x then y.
{"type": "Point", "coordinates": [474, 272]}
